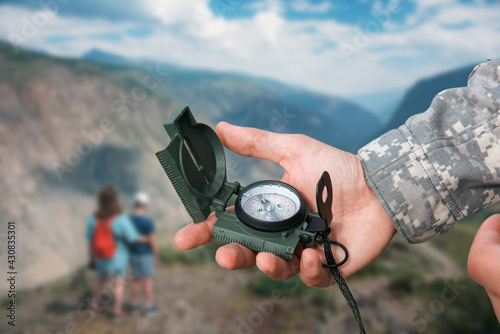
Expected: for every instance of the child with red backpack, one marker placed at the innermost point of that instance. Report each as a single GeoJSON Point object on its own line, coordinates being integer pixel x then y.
{"type": "Point", "coordinates": [109, 232]}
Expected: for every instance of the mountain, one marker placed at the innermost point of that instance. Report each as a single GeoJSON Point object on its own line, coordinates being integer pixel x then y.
{"type": "Point", "coordinates": [419, 97]}
{"type": "Point", "coordinates": [252, 101]}
{"type": "Point", "coordinates": [266, 104]}
{"type": "Point", "coordinates": [103, 57]}
{"type": "Point", "coordinates": [50, 170]}
{"type": "Point", "coordinates": [382, 104]}
{"type": "Point", "coordinates": [71, 125]}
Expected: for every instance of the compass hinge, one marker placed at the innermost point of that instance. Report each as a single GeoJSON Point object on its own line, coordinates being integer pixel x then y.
{"type": "Point", "coordinates": [222, 198]}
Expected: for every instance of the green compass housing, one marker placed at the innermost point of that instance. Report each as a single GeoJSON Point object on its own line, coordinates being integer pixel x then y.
{"type": "Point", "coordinates": [270, 216]}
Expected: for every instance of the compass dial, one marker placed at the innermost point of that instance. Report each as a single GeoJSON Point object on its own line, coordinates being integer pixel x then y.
{"type": "Point", "coordinates": [270, 206]}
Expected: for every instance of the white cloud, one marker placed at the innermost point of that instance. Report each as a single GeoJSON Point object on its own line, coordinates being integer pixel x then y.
{"type": "Point", "coordinates": [270, 25]}
{"type": "Point", "coordinates": [297, 52]}
{"type": "Point", "coordinates": [171, 12]}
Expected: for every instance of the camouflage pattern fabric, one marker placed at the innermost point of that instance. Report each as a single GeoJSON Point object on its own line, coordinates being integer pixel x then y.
{"type": "Point", "coordinates": [443, 164]}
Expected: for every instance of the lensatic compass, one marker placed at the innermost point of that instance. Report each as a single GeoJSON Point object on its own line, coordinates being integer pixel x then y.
{"type": "Point", "coordinates": [269, 216]}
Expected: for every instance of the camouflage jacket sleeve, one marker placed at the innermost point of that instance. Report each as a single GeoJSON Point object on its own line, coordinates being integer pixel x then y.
{"type": "Point", "coordinates": [443, 164]}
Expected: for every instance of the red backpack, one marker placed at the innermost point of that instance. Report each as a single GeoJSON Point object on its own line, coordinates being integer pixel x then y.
{"type": "Point", "coordinates": [103, 243]}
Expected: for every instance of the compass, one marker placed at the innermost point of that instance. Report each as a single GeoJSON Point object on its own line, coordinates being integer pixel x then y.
{"type": "Point", "coordinates": [269, 216]}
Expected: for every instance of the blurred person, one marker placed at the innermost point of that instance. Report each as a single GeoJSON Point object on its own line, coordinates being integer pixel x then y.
{"type": "Point", "coordinates": [484, 259]}
{"type": "Point", "coordinates": [144, 256]}
{"type": "Point", "coordinates": [418, 180]}
{"type": "Point", "coordinates": [108, 232]}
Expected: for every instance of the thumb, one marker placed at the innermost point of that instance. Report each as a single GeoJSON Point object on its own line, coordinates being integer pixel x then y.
{"type": "Point", "coordinates": [484, 253]}
{"type": "Point", "coordinates": [253, 142]}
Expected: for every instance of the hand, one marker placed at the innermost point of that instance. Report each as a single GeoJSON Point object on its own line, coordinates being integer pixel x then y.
{"type": "Point", "coordinates": [359, 220]}
{"type": "Point", "coordinates": [483, 264]}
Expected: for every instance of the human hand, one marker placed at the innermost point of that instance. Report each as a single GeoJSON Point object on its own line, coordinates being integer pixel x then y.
{"type": "Point", "coordinates": [483, 262]}
{"type": "Point", "coordinates": [359, 220]}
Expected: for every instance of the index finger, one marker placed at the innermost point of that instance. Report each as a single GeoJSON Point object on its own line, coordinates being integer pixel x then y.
{"type": "Point", "coordinates": [252, 142]}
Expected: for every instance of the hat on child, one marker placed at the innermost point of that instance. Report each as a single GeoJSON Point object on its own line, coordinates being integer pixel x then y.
{"type": "Point", "coordinates": [141, 198]}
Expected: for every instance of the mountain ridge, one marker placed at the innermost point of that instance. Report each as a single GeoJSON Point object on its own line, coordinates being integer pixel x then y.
{"type": "Point", "coordinates": [295, 99]}
{"type": "Point", "coordinates": [418, 98]}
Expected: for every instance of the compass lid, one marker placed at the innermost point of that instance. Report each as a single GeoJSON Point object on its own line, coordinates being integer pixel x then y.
{"type": "Point", "coordinates": [194, 161]}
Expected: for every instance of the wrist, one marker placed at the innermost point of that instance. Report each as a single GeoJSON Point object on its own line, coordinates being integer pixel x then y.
{"type": "Point", "coordinates": [373, 202]}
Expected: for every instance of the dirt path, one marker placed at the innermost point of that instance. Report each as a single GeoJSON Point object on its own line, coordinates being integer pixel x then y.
{"type": "Point", "coordinates": [206, 299]}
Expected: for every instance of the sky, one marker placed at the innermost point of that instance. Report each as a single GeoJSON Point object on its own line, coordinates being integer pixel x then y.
{"type": "Point", "coordinates": [342, 48]}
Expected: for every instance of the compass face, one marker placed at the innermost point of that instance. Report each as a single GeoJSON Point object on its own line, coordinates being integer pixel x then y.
{"type": "Point", "coordinates": [270, 206]}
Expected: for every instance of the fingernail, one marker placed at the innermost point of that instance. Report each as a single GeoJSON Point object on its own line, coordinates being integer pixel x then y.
{"type": "Point", "coordinates": [307, 264]}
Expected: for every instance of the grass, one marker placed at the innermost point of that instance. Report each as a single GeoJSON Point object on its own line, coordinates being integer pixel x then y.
{"type": "Point", "coordinates": [465, 310]}
{"type": "Point", "coordinates": [170, 254]}
{"type": "Point", "coordinates": [262, 285]}
{"type": "Point", "coordinates": [399, 259]}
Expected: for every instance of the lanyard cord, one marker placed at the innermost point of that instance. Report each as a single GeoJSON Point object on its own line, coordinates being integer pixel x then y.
{"type": "Point", "coordinates": [339, 279]}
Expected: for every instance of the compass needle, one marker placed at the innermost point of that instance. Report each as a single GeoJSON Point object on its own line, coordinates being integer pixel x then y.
{"type": "Point", "coordinates": [196, 160]}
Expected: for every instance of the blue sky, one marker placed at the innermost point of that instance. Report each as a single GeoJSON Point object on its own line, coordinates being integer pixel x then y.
{"type": "Point", "coordinates": [347, 11]}
{"type": "Point", "coordinates": [344, 48]}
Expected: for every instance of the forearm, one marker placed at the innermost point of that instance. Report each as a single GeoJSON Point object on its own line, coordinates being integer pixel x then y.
{"type": "Point", "coordinates": [152, 244]}
{"type": "Point", "coordinates": [443, 164]}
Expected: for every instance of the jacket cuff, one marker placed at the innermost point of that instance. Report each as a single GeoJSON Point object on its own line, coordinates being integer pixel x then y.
{"type": "Point", "coordinates": [399, 172]}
